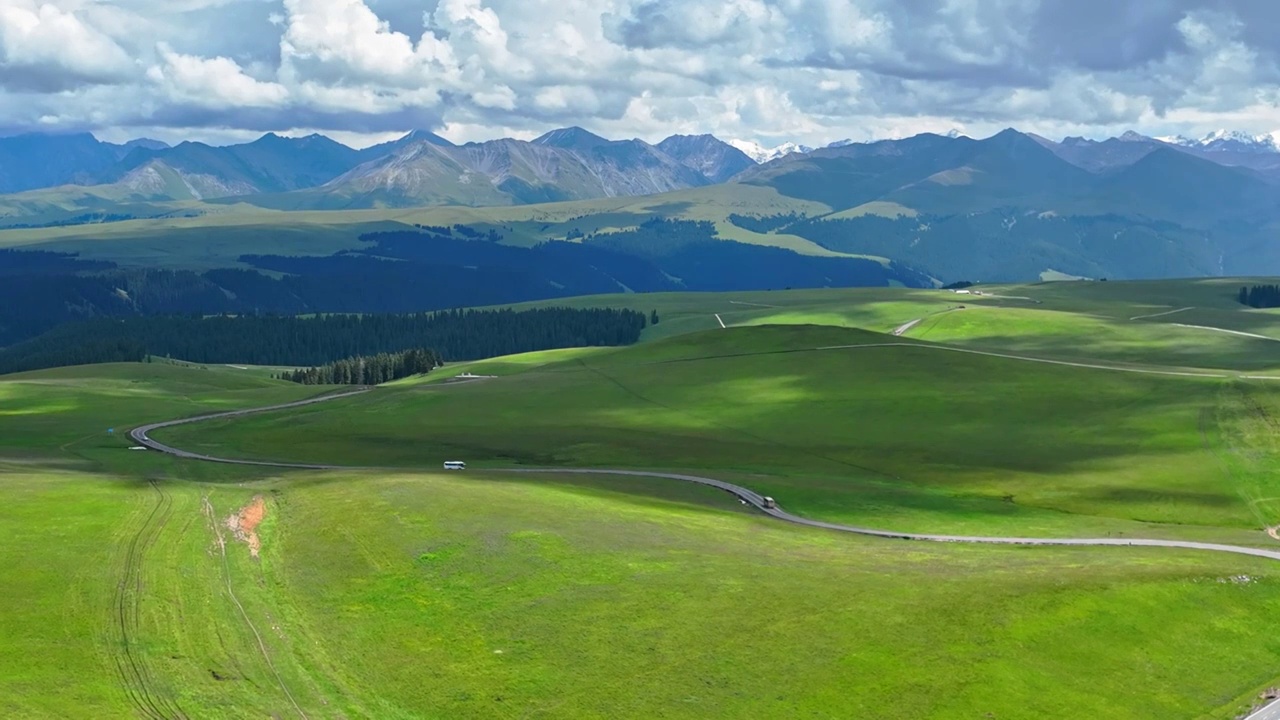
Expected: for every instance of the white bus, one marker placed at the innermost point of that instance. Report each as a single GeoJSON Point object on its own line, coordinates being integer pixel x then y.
{"type": "Point", "coordinates": [455, 465]}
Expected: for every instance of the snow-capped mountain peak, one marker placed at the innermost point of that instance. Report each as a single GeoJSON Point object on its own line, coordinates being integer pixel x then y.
{"type": "Point", "coordinates": [1232, 135]}
{"type": "Point", "coordinates": [1234, 140]}
{"type": "Point", "coordinates": [1225, 141]}
{"type": "Point", "coordinates": [762, 154]}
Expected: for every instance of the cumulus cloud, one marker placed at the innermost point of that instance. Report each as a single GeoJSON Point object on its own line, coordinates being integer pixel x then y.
{"type": "Point", "coordinates": [212, 82]}
{"type": "Point", "coordinates": [805, 70]}
{"type": "Point", "coordinates": [345, 42]}
{"type": "Point", "coordinates": [45, 47]}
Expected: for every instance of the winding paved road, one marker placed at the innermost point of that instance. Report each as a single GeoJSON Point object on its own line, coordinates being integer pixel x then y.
{"type": "Point", "coordinates": [141, 436]}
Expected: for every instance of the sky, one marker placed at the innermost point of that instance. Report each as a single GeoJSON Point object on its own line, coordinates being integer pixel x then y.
{"type": "Point", "coordinates": [809, 71]}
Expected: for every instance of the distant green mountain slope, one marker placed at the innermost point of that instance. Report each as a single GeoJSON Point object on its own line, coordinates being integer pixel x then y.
{"type": "Point", "coordinates": [1008, 208]}
{"type": "Point", "coordinates": [569, 164]}
{"type": "Point", "coordinates": [34, 160]}
{"type": "Point", "coordinates": [269, 164]}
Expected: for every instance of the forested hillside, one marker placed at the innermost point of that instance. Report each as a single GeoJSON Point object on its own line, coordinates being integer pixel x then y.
{"type": "Point", "coordinates": [292, 341]}
{"type": "Point", "coordinates": [367, 370]}
{"type": "Point", "coordinates": [431, 268]}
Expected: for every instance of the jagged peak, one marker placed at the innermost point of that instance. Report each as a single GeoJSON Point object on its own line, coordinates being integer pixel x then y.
{"type": "Point", "coordinates": [1132, 136]}
{"type": "Point", "coordinates": [570, 137]}
{"type": "Point", "coordinates": [702, 136]}
{"type": "Point", "coordinates": [762, 154]}
{"type": "Point", "coordinates": [1236, 139]}
{"type": "Point", "coordinates": [423, 136]}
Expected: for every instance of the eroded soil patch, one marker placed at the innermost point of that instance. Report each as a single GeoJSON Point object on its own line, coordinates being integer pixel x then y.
{"type": "Point", "coordinates": [244, 523]}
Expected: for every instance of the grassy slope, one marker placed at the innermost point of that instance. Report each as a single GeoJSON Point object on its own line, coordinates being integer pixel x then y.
{"type": "Point", "coordinates": [435, 597]}
{"type": "Point", "coordinates": [75, 498]}
{"type": "Point", "coordinates": [900, 437]}
{"type": "Point", "coordinates": [72, 408]}
{"type": "Point", "coordinates": [533, 601]}
{"type": "Point", "coordinates": [1073, 321]}
{"type": "Point", "coordinates": [388, 595]}
{"type": "Point", "coordinates": [368, 578]}
{"type": "Point", "coordinates": [228, 231]}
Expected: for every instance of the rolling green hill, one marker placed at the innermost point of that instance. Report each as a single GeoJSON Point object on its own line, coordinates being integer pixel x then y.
{"type": "Point", "coordinates": [404, 594]}
{"type": "Point", "coordinates": [1128, 323]}
{"type": "Point", "coordinates": [828, 418]}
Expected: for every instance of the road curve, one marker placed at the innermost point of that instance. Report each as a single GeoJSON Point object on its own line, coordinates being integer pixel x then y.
{"type": "Point", "coordinates": [751, 497]}
{"type": "Point", "coordinates": [906, 326]}
{"type": "Point", "coordinates": [1270, 711]}
{"type": "Point", "coordinates": [140, 433]}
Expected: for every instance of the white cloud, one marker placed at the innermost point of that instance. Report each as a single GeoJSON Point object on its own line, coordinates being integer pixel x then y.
{"type": "Point", "coordinates": [477, 34]}
{"type": "Point", "coordinates": [498, 97]}
{"type": "Point", "coordinates": [804, 70]}
{"type": "Point", "coordinates": [346, 41]}
{"type": "Point", "coordinates": [44, 46]}
{"type": "Point", "coordinates": [213, 82]}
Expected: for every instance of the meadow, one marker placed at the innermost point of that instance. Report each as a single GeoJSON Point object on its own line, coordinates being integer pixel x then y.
{"type": "Point", "coordinates": [202, 235]}
{"type": "Point", "coordinates": [422, 596]}
{"type": "Point", "coordinates": [1127, 323]}
{"type": "Point", "coordinates": [410, 593]}
{"type": "Point", "coordinates": [905, 437]}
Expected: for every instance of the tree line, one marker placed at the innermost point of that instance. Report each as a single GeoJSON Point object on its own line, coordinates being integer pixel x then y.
{"type": "Point", "coordinates": [1260, 296]}
{"type": "Point", "coordinates": [313, 341]}
{"type": "Point", "coordinates": [765, 223]}
{"type": "Point", "coordinates": [367, 370]}
{"type": "Point", "coordinates": [432, 268]}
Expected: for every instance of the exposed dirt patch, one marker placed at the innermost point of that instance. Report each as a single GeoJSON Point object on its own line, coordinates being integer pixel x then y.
{"type": "Point", "coordinates": [1274, 532]}
{"type": "Point", "coordinates": [244, 524]}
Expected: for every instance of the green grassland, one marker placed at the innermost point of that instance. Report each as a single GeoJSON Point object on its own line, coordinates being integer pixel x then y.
{"type": "Point", "coordinates": [416, 595]}
{"type": "Point", "coordinates": [408, 593]}
{"type": "Point", "coordinates": [877, 309]}
{"type": "Point", "coordinates": [71, 409]}
{"type": "Point", "coordinates": [906, 437]}
{"type": "Point", "coordinates": [217, 234]}
{"type": "Point", "coordinates": [1047, 333]}
{"type": "Point", "coordinates": [420, 596]}
{"type": "Point", "coordinates": [1069, 321]}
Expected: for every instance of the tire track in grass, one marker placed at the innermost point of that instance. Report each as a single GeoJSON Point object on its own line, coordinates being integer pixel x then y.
{"type": "Point", "coordinates": [131, 666]}
{"type": "Point", "coordinates": [209, 512]}
{"type": "Point", "coordinates": [750, 496]}
{"type": "Point", "coordinates": [1161, 314]}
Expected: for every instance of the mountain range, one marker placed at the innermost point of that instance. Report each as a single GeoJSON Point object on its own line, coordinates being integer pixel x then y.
{"type": "Point", "coordinates": [1015, 206]}
{"type": "Point", "coordinates": [566, 164]}
{"type": "Point", "coordinates": [424, 169]}
{"type": "Point", "coordinates": [315, 172]}
{"type": "Point", "coordinates": [1012, 206]}
{"type": "Point", "coordinates": [761, 154]}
